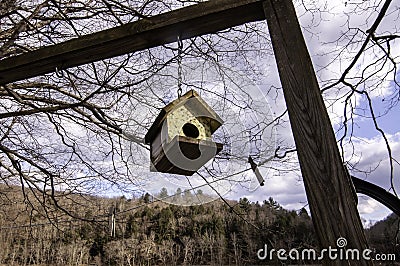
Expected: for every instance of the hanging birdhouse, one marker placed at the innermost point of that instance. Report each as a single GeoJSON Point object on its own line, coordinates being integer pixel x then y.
{"type": "Point", "coordinates": [180, 138]}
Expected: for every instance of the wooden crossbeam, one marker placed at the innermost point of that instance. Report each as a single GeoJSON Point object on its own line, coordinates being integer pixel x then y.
{"type": "Point", "coordinates": [203, 18]}
{"type": "Point", "coordinates": [377, 193]}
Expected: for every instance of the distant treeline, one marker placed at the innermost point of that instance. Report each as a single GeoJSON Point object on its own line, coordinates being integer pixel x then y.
{"type": "Point", "coordinates": [150, 232]}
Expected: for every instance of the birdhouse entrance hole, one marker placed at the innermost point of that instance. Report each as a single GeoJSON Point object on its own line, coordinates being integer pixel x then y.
{"type": "Point", "coordinates": [190, 130]}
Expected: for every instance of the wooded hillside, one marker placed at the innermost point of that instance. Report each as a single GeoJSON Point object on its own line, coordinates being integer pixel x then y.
{"type": "Point", "coordinates": [151, 232]}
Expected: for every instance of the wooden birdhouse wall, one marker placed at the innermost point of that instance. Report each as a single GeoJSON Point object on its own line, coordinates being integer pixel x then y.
{"type": "Point", "coordinates": [156, 145]}
{"type": "Point", "coordinates": [180, 117]}
{"type": "Point", "coordinates": [183, 131]}
{"type": "Point", "coordinates": [205, 122]}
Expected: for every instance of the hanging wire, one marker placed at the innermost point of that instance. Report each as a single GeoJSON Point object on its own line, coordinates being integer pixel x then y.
{"type": "Point", "coordinates": [180, 48]}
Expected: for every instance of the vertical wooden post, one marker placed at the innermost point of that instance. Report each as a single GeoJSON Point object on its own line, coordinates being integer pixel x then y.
{"type": "Point", "coordinates": [329, 189]}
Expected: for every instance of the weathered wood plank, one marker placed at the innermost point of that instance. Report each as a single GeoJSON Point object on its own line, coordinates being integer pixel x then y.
{"type": "Point", "coordinates": [378, 194]}
{"type": "Point", "coordinates": [329, 188]}
{"type": "Point", "coordinates": [203, 18]}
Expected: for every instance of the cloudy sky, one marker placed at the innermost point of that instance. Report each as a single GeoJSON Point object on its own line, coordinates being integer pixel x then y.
{"type": "Point", "coordinates": [334, 32]}
{"type": "Point", "coordinates": [367, 149]}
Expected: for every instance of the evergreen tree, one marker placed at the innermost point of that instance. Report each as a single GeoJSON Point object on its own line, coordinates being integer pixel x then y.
{"type": "Point", "coordinates": [163, 193]}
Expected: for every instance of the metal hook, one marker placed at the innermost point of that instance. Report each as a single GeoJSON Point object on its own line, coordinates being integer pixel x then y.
{"type": "Point", "coordinates": [180, 44]}
{"type": "Point", "coordinates": [59, 73]}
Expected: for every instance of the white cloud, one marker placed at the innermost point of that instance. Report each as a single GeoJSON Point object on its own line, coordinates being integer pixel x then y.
{"type": "Point", "coordinates": [367, 206]}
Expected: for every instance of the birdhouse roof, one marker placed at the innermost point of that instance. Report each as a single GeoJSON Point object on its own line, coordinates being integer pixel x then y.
{"type": "Point", "coordinates": [194, 103]}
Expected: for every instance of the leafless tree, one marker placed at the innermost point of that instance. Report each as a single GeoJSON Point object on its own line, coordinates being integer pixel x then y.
{"type": "Point", "coordinates": [80, 131]}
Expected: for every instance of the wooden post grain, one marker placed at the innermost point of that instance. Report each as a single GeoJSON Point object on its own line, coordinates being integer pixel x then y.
{"type": "Point", "coordinates": [329, 188]}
